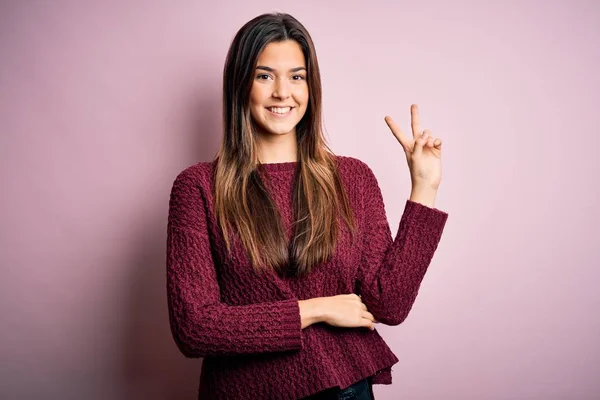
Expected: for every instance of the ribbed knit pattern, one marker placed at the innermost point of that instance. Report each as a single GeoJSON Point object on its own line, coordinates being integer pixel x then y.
{"type": "Point", "coordinates": [247, 325]}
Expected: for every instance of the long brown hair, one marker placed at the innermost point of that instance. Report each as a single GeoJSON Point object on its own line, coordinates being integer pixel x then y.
{"type": "Point", "coordinates": [242, 201]}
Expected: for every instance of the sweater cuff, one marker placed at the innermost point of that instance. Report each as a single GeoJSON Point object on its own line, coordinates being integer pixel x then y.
{"type": "Point", "coordinates": [291, 324]}
{"type": "Point", "coordinates": [429, 217]}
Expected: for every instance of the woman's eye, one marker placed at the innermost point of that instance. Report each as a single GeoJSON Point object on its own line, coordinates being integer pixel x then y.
{"type": "Point", "coordinates": [267, 76]}
{"type": "Point", "coordinates": [263, 76]}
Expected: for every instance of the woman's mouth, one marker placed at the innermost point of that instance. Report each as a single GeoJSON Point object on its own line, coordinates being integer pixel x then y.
{"type": "Point", "coordinates": [280, 111]}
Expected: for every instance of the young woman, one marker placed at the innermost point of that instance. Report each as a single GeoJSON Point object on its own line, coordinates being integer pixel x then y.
{"type": "Point", "coordinates": [280, 258]}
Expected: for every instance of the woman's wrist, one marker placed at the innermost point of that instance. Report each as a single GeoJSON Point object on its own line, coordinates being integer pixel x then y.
{"type": "Point", "coordinates": [423, 195]}
{"type": "Point", "coordinates": [311, 311]}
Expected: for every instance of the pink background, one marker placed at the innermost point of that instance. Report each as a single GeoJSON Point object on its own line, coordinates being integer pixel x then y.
{"type": "Point", "coordinates": [102, 104]}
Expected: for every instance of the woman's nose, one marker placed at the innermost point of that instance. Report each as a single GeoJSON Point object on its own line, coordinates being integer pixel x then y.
{"type": "Point", "coordinates": [281, 89]}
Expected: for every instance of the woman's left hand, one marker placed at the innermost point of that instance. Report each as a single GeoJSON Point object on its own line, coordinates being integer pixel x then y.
{"type": "Point", "coordinates": [423, 152]}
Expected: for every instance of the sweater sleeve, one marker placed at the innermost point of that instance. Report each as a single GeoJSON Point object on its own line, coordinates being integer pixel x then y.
{"type": "Point", "coordinates": [201, 324]}
{"type": "Point", "coordinates": [391, 271]}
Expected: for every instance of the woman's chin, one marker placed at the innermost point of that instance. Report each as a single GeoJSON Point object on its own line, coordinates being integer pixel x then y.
{"type": "Point", "coordinates": [278, 132]}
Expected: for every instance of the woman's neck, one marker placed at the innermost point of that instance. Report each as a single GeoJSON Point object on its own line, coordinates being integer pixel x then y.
{"type": "Point", "coordinates": [274, 149]}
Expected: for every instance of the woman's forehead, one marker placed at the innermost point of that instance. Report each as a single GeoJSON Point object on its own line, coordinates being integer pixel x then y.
{"type": "Point", "coordinates": [282, 56]}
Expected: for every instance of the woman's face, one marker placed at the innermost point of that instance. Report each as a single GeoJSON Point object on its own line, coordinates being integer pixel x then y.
{"type": "Point", "coordinates": [279, 94]}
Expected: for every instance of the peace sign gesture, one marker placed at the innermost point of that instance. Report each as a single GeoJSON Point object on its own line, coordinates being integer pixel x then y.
{"type": "Point", "coordinates": [423, 152]}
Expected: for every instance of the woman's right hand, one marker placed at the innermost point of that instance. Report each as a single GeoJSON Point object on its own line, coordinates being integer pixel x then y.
{"type": "Point", "coordinates": [344, 310]}
{"type": "Point", "coordinates": [347, 311]}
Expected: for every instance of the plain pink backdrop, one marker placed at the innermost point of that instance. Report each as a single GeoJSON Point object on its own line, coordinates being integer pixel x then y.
{"type": "Point", "coordinates": [103, 103]}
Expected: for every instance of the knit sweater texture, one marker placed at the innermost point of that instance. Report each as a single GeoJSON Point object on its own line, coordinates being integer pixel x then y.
{"type": "Point", "coordinates": [246, 325]}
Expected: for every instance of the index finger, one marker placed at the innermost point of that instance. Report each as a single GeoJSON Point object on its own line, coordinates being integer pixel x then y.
{"type": "Point", "coordinates": [397, 132]}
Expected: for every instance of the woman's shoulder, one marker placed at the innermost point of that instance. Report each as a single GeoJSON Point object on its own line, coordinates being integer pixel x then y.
{"type": "Point", "coordinates": [200, 173]}
{"type": "Point", "coordinates": [352, 166]}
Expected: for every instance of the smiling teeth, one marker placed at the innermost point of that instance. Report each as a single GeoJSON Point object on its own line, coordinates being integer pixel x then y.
{"type": "Point", "coordinates": [277, 110]}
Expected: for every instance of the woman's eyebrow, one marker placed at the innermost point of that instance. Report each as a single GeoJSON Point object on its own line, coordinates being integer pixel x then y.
{"type": "Point", "coordinates": [273, 70]}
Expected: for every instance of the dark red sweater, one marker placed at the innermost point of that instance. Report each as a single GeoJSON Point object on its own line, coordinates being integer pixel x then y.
{"type": "Point", "coordinates": [247, 325]}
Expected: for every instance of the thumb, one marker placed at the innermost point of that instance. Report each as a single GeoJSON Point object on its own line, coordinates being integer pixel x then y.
{"type": "Point", "coordinates": [419, 143]}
